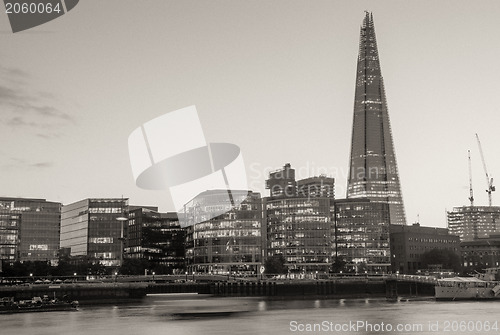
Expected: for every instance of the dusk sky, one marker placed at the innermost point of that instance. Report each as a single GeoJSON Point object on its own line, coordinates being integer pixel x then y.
{"type": "Point", "coordinates": [276, 78]}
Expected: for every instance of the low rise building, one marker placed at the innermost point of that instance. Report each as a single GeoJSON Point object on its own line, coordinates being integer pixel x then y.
{"type": "Point", "coordinates": [95, 229]}
{"type": "Point", "coordinates": [481, 253]}
{"type": "Point", "coordinates": [230, 242]}
{"type": "Point", "coordinates": [157, 238]}
{"type": "Point", "coordinates": [409, 243]}
{"type": "Point", "coordinates": [29, 229]}
{"type": "Point", "coordinates": [362, 235]}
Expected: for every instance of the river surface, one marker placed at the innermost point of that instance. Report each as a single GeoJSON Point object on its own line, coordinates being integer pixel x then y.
{"type": "Point", "coordinates": [155, 315]}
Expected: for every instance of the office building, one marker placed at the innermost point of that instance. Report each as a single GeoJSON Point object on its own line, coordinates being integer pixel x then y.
{"type": "Point", "coordinates": [481, 253]}
{"type": "Point", "coordinates": [281, 183]}
{"type": "Point", "coordinates": [473, 222]}
{"type": "Point", "coordinates": [157, 238]}
{"type": "Point", "coordinates": [373, 171]}
{"type": "Point", "coordinates": [316, 187]}
{"type": "Point", "coordinates": [362, 235]}
{"type": "Point", "coordinates": [29, 229]}
{"type": "Point", "coordinates": [299, 225]}
{"type": "Point", "coordinates": [228, 243]}
{"type": "Point", "coordinates": [301, 230]}
{"type": "Point", "coordinates": [95, 228]}
{"type": "Point", "coordinates": [409, 243]}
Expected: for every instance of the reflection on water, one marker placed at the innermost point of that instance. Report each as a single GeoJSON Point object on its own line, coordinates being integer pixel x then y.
{"type": "Point", "coordinates": [155, 315]}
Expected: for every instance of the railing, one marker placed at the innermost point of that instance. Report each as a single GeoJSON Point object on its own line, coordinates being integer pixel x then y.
{"type": "Point", "coordinates": [413, 278]}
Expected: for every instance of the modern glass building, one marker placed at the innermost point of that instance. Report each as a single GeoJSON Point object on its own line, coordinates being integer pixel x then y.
{"type": "Point", "coordinates": [362, 235]}
{"type": "Point", "coordinates": [228, 243]}
{"type": "Point", "coordinates": [373, 171]}
{"type": "Point", "coordinates": [473, 222]}
{"type": "Point", "coordinates": [156, 237]}
{"type": "Point", "coordinates": [29, 229]}
{"type": "Point", "coordinates": [301, 230]}
{"type": "Point", "coordinates": [95, 228]}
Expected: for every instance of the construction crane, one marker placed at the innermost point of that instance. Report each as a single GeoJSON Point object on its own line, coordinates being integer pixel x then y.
{"type": "Point", "coordinates": [471, 193]}
{"type": "Point", "coordinates": [489, 181]}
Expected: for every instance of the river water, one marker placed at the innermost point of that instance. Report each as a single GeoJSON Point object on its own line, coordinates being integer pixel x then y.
{"type": "Point", "coordinates": [154, 315]}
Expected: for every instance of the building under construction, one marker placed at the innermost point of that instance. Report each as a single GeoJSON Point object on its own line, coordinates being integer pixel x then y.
{"type": "Point", "coordinates": [473, 222]}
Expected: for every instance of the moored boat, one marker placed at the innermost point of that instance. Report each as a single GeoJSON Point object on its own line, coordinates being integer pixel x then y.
{"type": "Point", "coordinates": [481, 287]}
{"type": "Point", "coordinates": [37, 304]}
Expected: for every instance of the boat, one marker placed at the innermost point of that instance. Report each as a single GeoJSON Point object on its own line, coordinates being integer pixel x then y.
{"type": "Point", "coordinates": [194, 305]}
{"type": "Point", "coordinates": [36, 304]}
{"type": "Point", "coordinates": [482, 286]}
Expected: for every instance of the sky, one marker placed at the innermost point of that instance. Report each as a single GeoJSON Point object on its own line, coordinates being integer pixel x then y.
{"type": "Point", "coordinates": [276, 78]}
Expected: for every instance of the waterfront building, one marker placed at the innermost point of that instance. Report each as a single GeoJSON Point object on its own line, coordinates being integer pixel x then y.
{"type": "Point", "coordinates": [481, 253]}
{"type": "Point", "coordinates": [95, 228]}
{"type": "Point", "coordinates": [473, 222]}
{"type": "Point", "coordinates": [29, 229]}
{"type": "Point", "coordinates": [362, 235]}
{"type": "Point", "coordinates": [281, 183]}
{"type": "Point", "coordinates": [301, 230]}
{"type": "Point", "coordinates": [230, 242]}
{"type": "Point", "coordinates": [316, 187]}
{"type": "Point", "coordinates": [373, 171]}
{"type": "Point", "coordinates": [155, 237]}
{"type": "Point", "coordinates": [409, 243]}
{"type": "Point", "coordinates": [299, 223]}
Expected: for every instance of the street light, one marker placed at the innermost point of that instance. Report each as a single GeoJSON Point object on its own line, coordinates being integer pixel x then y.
{"type": "Point", "coordinates": [122, 219]}
{"type": "Point", "coordinates": [153, 275]}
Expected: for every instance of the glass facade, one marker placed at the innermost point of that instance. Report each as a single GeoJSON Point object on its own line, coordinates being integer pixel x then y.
{"type": "Point", "coordinates": [473, 222]}
{"type": "Point", "coordinates": [156, 237]}
{"type": "Point", "coordinates": [301, 230]}
{"type": "Point", "coordinates": [91, 228]}
{"type": "Point", "coordinates": [29, 229]}
{"type": "Point", "coordinates": [228, 243]}
{"type": "Point", "coordinates": [373, 171]}
{"type": "Point", "coordinates": [362, 235]}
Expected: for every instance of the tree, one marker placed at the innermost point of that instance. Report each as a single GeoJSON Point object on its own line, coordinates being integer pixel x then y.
{"type": "Point", "coordinates": [132, 266]}
{"type": "Point", "coordinates": [275, 265]}
{"type": "Point", "coordinates": [338, 265]}
{"type": "Point", "coordinates": [447, 258]}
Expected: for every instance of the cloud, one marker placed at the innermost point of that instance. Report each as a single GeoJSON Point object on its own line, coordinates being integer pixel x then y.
{"type": "Point", "coordinates": [20, 163]}
{"type": "Point", "coordinates": [25, 108]}
{"type": "Point", "coordinates": [42, 164]}
{"type": "Point", "coordinates": [18, 121]}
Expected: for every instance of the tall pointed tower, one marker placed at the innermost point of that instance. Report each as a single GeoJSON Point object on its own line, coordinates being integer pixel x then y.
{"type": "Point", "coordinates": [373, 170]}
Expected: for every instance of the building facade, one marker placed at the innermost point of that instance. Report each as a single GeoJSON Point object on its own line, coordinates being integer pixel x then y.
{"type": "Point", "coordinates": [409, 243]}
{"type": "Point", "coordinates": [373, 171]}
{"type": "Point", "coordinates": [29, 229]}
{"type": "Point", "coordinates": [157, 238]}
{"type": "Point", "coordinates": [282, 183]}
{"type": "Point", "coordinates": [473, 222]}
{"type": "Point", "coordinates": [95, 228]}
{"type": "Point", "coordinates": [316, 187]}
{"type": "Point", "coordinates": [228, 243]}
{"type": "Point", "coordinates": [362, 235]}
{"type": "Point", "coordinates": [481, 253]}
{"type": "Point", "coordinates": [301, 230]}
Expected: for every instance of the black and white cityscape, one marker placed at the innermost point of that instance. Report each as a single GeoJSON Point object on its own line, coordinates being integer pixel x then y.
{"type": "Point", "coordinates": [245, 220]}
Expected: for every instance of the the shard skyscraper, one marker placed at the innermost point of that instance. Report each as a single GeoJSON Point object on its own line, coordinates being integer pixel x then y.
{"type": "Point", "coordinates": [373, 170]}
